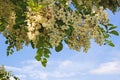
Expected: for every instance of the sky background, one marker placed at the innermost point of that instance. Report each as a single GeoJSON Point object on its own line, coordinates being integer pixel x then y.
{"type": "Point", "coordinates": [100, 63]}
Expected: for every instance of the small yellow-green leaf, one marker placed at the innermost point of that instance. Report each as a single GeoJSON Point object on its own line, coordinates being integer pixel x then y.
{"type": "Point", "coordinates": [59, 47]}
{"type": "Point", "coordinates": [37, 58]}
{"type": "Point", "coordinates": [113, 27]}
{"type": "Point", "coordinates": [44, 62]}
{"type": "Point", "coordinates": [114, 33]}
{"type": "Point", "coordinates": [39, 54]}
{"type": "Point", "coordinates": [111, 44]}
{"type": "Point", "coordinates": [35, 2]}
{"type": "Point", "coordinates": [110, 25]}
{"type": "Point", "coordinates": [107, 36]}
{"type": "Point", "coordinates": [1, 23]}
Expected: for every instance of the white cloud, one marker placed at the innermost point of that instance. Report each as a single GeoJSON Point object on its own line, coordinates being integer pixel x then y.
{"type": "Point", "coordinates": [58, 74]}
{"type": "Point", "coordinates": [12, 68]}
{"type": "Point", "coordinates": [107, 68]}
{"type": "Point", "coordinates": [30, 69]}
{"type": "Point", "coordinates": [66, 63]}
{"type": "Point", "coordinates": [21, 76]}
{"type": "Point", "coordinates": [66, 69]}
{"type": "Point", "coordinates": [74, 66]}
{"type": "Point", "coordinates": [63, 69]}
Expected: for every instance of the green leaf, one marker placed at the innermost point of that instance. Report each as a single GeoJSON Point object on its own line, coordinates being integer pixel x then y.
{"type": "Point", "coordinates": [32, 45]}
{"type": "Point", "coordinates": [66, 41]}
{"type": "Point", "coordinates": [35, 2]}
{"type": "Point", "coordinates": [47, 53]}
{"type": "Point", "coordinates": [1, 75]}
{"type": "Point", "coordinates": [37, 57]}
{"type": "Point", "coordinates": [47, 44]}
{"type": "Point", "coordinates": [110, 43]}
{"type": "Point", "coordinates": [2, 28]}
{"type": "Point", "coordinates": [59, 47]}
{"type": "Point", "coordinates": [16, 78]}
{"type": "Point", "coordinates": [3, 25]}
{"type": "Point", "coordinates": [106, 36]}
{"type": "Point", "coordinates": [69, 31]}
{"type": "Point", "coordinates": [110, 25]}
{"type": "Point", "coordinates": [113, 27]}
{"type": "Point", "coordinates": [41, 42]}
{"type": "Point", "coordinates": [44, 62]}
{"type": "Point", "coordinates": [106, 27]}
{"type": "Point", "coordinates": [39, 54]}
{"type": "Point", "coordinates": [1, 22]}
{"type": "Point", "coordinates": [20, 19]}
{"type": "Point", "coordinates": [114, 33]}
{"type": "Point", "coordinates": [30, 3]}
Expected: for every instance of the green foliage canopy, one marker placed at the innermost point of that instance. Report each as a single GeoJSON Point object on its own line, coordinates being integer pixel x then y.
{"type": "Point", "coordinates": [5, 75]}
{"type": "Point", "coordinates": [45, 24]}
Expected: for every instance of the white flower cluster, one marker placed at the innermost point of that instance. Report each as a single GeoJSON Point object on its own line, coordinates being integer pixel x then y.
{"type": "Point", "coordinates": [39, 23]}
{"type": "Point", "coordinates": [56, 22]}
{"type": "Point", "coordinates": [33, 24]}
{"type": "Point", "coordinates": [87, 28]}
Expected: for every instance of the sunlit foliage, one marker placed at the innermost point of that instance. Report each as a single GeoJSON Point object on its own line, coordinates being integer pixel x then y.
{"type": "Point", "coordinates": [45, 24]}
{"type": "Point", "coordinates": [6, 75]}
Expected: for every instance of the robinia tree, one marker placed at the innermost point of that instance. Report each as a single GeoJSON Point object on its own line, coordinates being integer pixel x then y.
{"type": "Point", "coordinates": [6, 75]}
{"type": "Point", "coordinates": [46, 24]}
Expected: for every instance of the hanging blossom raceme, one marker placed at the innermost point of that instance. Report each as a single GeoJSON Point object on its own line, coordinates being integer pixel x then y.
{"type": "Point", "coordinates": [39, 23]}
{"type": "Point", "coordinates": [15, 37]}
{"type": "Point", "coordinates": [87, 28]}
{"type": "Point", "coordinates": [57, 21]}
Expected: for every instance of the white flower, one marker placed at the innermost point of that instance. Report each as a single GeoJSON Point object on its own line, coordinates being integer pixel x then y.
{"type": "Point", "coordinates": [31, 35]}
{"type": "Point", "coordinates": [93, 11]}
{"type": "Point", "coordinates": [30, 28]}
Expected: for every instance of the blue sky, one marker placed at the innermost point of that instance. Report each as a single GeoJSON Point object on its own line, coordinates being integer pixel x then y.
{"type": "Point", "coordinates": [100, 63]}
